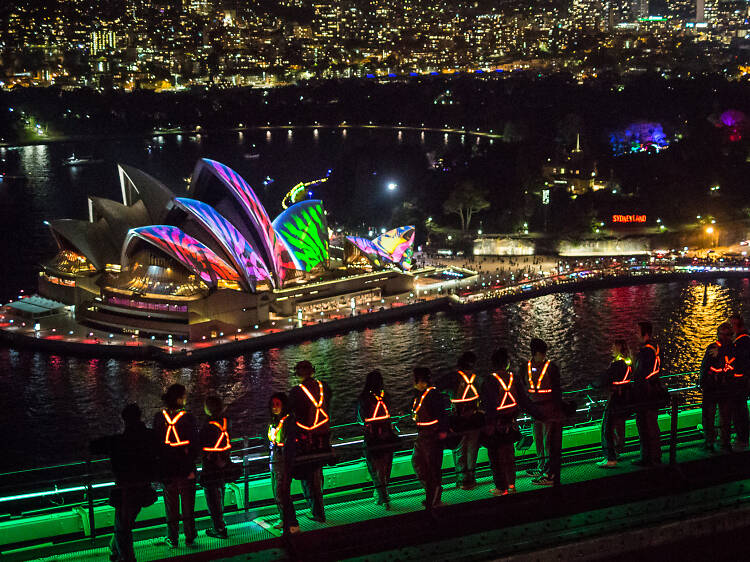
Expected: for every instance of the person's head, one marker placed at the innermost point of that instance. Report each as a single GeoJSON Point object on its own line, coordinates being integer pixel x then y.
{"type": "Point", "coordinates": [374, 381]}
{"type": "Point", "coordinates": [277, 403]}
{"type": "Point", "coordinates": [175, 396]}
{"type": "Point", "coordinates": [538, 350]}
{"type": "Point", "coordinates": [422, 377]}
{"type": "Point", "coordinates": [213, 406]}
{"type": "Point", "coordinates": [499, 359]}
{"type": "Point", "coordinates": [620, 348]}
{"type": "Point", "coordinates": [131, 414]}
{"type": "Point", "coordinates": [645, 330]}
{"type": "Point", "coordinates": [738, 324]}
{"type": "Point", "coordinates": [304, 370]}
{"type": "Point", "coordinates": [467, 360]}
{"type": "Point", "coordinates": [724, 332]}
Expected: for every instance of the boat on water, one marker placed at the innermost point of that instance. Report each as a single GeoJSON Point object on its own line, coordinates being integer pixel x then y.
{"type": "Point", "coordinates": [251, 155]}
{"type": "Point", "coordinates": [80, 161]}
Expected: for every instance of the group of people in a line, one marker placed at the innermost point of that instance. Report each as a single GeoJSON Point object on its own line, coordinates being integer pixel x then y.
{"type": "Point", "coordinates": [462, 412]}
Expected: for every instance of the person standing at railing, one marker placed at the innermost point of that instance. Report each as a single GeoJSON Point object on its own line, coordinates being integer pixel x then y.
{"type": "Point", "coordinates": [545, 394]}
{"type": "Point", "coordinates": [133, 454]}
{"type": "Point", "coordinates": [741, 350]}
{"type": "Point", "coordinates": [649, 395]}
{"type": "Point", "coordinates": [373, 412]}
{"type": "Point", "coordinates": [215, 445]}
{"type": "Point", "coordinates": [716, 382]}
{"type": "Point", "coordinates": [281, 442]}
{"type": "Point", "coordinates": [177, 431]}
{"type": "Point", "coordinates": [466, 420]}
{"type": "Point", "coordinates": [309, 403]}
{"type": "Point", "coordinates": [618, 378]}
{"type": "Point", "coordinates": [500, 396]}
{"type": "Point", "coordinates": [429, 413]}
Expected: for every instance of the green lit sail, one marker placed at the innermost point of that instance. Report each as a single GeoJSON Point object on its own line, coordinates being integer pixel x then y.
{"type": "Point", "coordinates": [304, 230]}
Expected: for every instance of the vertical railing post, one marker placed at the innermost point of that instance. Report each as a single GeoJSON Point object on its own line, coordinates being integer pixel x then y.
{"type": "Point", "coordinates": [245, 482]}
{"type": "Point", "coordinates": [673, 431]}
{"type": "Point", "coordinates": [90, 497]}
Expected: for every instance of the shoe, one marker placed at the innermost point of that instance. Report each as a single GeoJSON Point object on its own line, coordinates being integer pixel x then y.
{"type": "Point", "coordinates": [606, 464]}
{"type": "Point", "coordinates": [642, 463]}
{"type": "Point", "coordinates": [317, 518]}
{"type": "Point", "coordinates": [279, 524]}
{"type": "Point", "coordinates": [467, 486]}
{"type": "Point", "coordinates": [293, 530]}
{"type": "Point", "coordinates": [543, 481]}
{"type": "Point", "coordinates": [498, 492]}
{"type": "Point", "coordinates": [387, 506]}
{"type": "Point", "coordinates": [169, 541]}
{"type": "Point", "coordinates": [512, 489]}
{"type": "Point", "coordinates": [217, 534]}
{"type": "Point", "coordinates": [190, 541]}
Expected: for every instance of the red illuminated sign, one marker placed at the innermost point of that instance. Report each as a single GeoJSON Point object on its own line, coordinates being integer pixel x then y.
{"type": "Point", "coordinates": [628, 218]}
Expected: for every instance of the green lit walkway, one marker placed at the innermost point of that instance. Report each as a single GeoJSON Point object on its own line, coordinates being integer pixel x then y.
{"type": "Point", "coordinates": [254, 538]}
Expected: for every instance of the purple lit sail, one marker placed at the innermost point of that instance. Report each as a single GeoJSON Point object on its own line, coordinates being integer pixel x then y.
{"type": "Point", "coordinates": [243, 255]}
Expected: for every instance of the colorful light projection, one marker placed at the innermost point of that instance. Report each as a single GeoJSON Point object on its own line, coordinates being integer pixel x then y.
{"type": "Point", "coordinates": [273, 250]}
{"type": "Point", "coordinates": [398, 245]}
{"type": "Point", "coordinates": [735, 123]}
{"type": "Point", "coordinates": [304, 230]}
{"type": "Point", "coordinates": [185, 249]}
{"type": "Point", "coordinates": [637, 137]}
{"type": "Point", "coordinates": [299, 191]}
{"type": "Point", "coordinates": [629, 219]}
{"type": "Point", "coordinates": [245, 258]}
{"type": "Point", "coordinates": [368, 248]}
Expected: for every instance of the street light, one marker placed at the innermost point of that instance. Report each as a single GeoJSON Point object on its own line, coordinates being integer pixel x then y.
{"type": "Point", "coordinates": [392, 186]}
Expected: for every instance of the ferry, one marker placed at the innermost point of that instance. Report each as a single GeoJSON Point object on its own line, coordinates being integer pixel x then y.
{"type": "Point", "coordinates": [82, 161]}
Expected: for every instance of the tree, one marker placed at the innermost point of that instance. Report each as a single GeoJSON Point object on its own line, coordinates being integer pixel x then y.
{"type": "Point", "coordinates": [464, 201]}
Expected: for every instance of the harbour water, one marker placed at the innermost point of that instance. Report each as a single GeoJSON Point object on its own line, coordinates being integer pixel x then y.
{"type": "Point", "coordinates": [50, 406]}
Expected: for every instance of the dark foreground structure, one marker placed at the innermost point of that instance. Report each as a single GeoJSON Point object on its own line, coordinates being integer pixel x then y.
{"type": "Point", "coordinates": [694, 506]}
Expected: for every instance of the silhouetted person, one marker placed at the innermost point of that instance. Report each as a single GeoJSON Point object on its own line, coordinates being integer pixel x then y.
{"type": "Point", "coordinates": [309, 403]}
{"type": "Point", "coordinates": [373, 411]}
{"type": "Point", "coordinates": [648, 396]}
{"type": "Point", "coordinates": [177, 433]}
{"type": "Point", "coordinates": [545, 394]}
{"type": "Point", "coordinates": [467, 421]}
{"type": "Point", "coordinates": [741, 350]}
{"type": "Point", "coordinates": [500, 400]}
{"type": "Point", "coordinates": [282, 442]}
{"type": "Point", "coordinates": [618, 380]}
{"type": "Point", "coordinates": [716, 382]}
{"type": "Point", "coordinates": [133, 457]}
{"type": "Point", "coordinates": [428, 411]}
{"type": "Point", "coordinates": [215, 447]}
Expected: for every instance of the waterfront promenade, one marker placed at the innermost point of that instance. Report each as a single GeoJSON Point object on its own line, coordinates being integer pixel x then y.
{"type": "Point", "coordinates": [62, 335]}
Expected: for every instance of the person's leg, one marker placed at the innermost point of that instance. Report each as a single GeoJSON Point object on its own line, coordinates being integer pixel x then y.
{"type": "Point", "coordinates": [493, 454]}
{"type": "Point", "coordinates": [726, 408]}
{"type": "Point", "coordinates": [641, 424]}
{"type": "Point", "coordinates": [555, 451]}
{"type": "Point", "coordinates": [507, 454]}
{"type": "Point", "coordinates": [316, 490]}
{"type": "Point", "coordinates": [654, 435]}
{"type": "Point", "coordinates": [419, 461]}
{"type": "Point", "coordinates": [187, 499]}
{"type": "Point", "coordinates": [618, 431]}
{"type": "Point", "coordinates": [460, 460]}
{"type": "Point", "coordinates": [540, 446]}
{"type": "Point", "coordinates": [608, 437]}
{"type": "Point", "coordinates": [436, 470]}
{"type": "Point", "coordinates": [708, 419]}
{"type": "Point", "coordinates": [130, 513]}
{"type": "Point", "coordinates": [373, 467]}
{"type": "Point", "coordinates": [742, 418]}
{"type": "Point", "coordinates": [472, 452]}
{"type": "Point", "coordinates": [172, 509]}
{"type": "Point", "coordinates": [386, 467]}
{"type": "Point", "coordinates": [288, 515]}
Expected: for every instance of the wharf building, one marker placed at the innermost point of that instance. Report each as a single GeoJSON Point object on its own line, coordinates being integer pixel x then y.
{"type": "Point", "coordinates": [211, 263]}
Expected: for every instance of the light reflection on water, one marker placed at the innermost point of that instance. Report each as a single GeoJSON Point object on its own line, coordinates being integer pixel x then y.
{"type": "Point", "coordinates": [51, 405]}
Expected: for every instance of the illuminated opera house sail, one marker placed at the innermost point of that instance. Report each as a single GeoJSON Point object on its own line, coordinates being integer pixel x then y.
{"type": "Point", "coordinates": [209, 263]}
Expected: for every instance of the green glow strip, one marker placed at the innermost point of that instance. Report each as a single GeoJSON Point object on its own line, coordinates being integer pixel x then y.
{"type": "Point", "coordinates": [53, 492]}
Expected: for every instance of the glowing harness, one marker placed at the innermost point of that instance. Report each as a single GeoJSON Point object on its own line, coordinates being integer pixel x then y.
{"type": "Point", "coordinates": [417, 406]}
{"type": "Point", "coordinates": [727, 363]}
{"type": "Point", "coordinates": [538, 389]}
{"type": "Point", "coordinates": [508, 400]}
{"type": "Point", "coordinates": [172, 438]}
{"type": "Point", "coordinates": [223, 437]}
{"type": "Point", "coordinates": [469, 381]}
{"type": "Point", "coordinates": [274, 432]}
{"type": "Point", "coordinates": [321, 417]}
{"type": "Point", "coordinates": [657, 361]}
{"type": "Point", "coordinates": [379, 405]}
{"type": "Point", "coordinates": [626, 379]}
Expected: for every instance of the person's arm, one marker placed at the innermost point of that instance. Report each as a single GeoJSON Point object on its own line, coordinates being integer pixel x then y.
{"type": "Point", "coordinates": [606, 378]}
{"type": "Point", "coordinates": [705, 365]}
{"type": "Point", "coordinates": [641, 362]}
{"type": "Point", "coordinates": [361, 415]}
{"type": "Point", "coordinates": [555, 383]}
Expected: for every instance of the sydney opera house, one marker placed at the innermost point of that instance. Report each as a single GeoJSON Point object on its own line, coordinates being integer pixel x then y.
{"type": "Point", "coordinates": [212, 262]}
